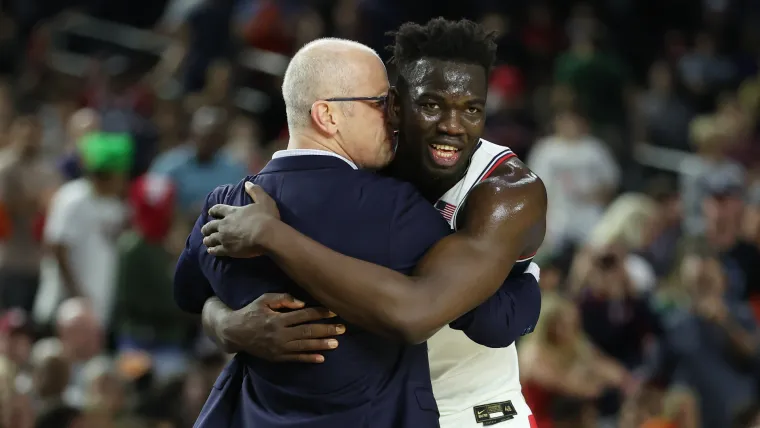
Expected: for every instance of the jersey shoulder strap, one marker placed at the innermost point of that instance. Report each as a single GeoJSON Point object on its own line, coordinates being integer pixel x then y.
{"type": "Point", "coordinates": [488, 156]}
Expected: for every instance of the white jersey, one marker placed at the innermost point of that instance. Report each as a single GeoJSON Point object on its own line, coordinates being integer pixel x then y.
{"type": "Point", "coordinates": [467, 376]}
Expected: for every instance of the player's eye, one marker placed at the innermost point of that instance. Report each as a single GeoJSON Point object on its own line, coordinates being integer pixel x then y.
{"type": "Point", "coordinates": [473, 110]}
{"type": "Point", "coordinates": [430, 106]}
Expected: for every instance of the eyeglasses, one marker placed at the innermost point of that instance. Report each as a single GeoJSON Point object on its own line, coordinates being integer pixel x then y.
{"type": "Point", "coordinates": [379, 101]}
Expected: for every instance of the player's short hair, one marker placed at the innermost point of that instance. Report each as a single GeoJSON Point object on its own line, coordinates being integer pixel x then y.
{"type": "Point", "coordinates": [460, 41]}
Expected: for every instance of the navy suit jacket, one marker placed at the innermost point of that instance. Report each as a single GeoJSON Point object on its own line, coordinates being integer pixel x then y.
{"type": "Point", "coordinates": [512, 311]}
{"type": "Point", "coordinates": [369, 381]}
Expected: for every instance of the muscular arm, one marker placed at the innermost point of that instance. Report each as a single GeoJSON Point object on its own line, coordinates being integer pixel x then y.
{"type": "Point", "coordinates": [504, 218]}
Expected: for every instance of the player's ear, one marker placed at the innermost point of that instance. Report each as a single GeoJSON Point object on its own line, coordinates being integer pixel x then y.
{"type": "Point", "coordinates": [393, 108]}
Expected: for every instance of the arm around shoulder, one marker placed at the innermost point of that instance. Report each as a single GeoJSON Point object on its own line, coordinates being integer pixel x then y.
{"type": "Point", "coordinates": [502, 219]}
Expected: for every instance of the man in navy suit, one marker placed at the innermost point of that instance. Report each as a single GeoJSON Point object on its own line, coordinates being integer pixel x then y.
{"type": "Point", "coordinates": [335, 92]}
{"type": "Point", "coordinates": [495, 203]}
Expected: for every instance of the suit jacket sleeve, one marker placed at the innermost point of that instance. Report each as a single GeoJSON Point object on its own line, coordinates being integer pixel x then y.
{"type": "Point", "coordinates": [415, 227]}
{"type": "Point", "coordinates": [510, 313]}
{"type": "Point", "coordinates": [191, 287]}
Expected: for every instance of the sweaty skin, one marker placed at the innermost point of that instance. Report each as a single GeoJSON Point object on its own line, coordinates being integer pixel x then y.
{"type": "Point", "coordinates": [502, 221]}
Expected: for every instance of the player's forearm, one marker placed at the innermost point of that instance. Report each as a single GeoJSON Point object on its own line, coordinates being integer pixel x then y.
{"type": "Point", "coordinates": [383, 300]}
{"type": "Point", "coordinates": [510, 313]}
{"type": "Point", "coordinates": [214, 320]}
{"type": "Point", "coordinates": [363, 293]}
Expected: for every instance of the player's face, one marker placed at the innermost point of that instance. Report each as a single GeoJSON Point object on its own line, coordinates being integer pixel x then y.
{"type": "Point", "coordinates": [442, 114]}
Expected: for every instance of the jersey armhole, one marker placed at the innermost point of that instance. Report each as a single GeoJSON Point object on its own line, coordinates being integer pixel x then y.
{"type": "Point", "coordinates": [487, 171]}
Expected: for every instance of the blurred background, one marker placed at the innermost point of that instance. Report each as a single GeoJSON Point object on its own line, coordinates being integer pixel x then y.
{"type": "Point", "coordinates": [641, 116]}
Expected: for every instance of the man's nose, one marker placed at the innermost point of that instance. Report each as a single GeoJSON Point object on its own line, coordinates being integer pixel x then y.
{"type": "Point", "coordinates": [451, 123]}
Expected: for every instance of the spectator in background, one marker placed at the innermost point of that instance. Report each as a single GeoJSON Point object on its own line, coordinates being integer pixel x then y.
{"type": "Point", "coordinates": [16, 337]}
{"type": "Point", "coordinates": [104, 390]}
{"type": "Point", "coordinates": [662, 115]}
{"type": "Point", "coordinates": [711, 140]}
{"type": "Point", "coordinates": [82, 338]}
{"type": "Point", "coordinates": [51, 372]}
{"type": "Point", "coordinates": [613, 315]}
{"type": "Point", "coordinates": [509, 121]}
{"type": "Point", "coordinates": [662, 251]}
{"type": "Point", "coordinates": [199, 166]}
{"type": "Point", "coordinates": [629, 224]}
{"type": "Point", "coordinates": [599, 81]}
{"type": "Point", "coordinates": [723, 210]}
{"type": "Point", "coordinates": [703, 71]}
{"type": "Point", "coordinates": [26, 185]}
{"type": "Point", "coordinates": [85, 219]}
{"type": "Point", "coordinates": [15, 409]}
{"type": "Point", "coordinates": [155, 325]}
{"type": "Point", "coordinates": [561, 368]}
{"type": "Point", "coordinates": [580, 175]}
{"type": "Point", "coordinates": [710, 344]}
{"type": "Point", "coordinates": [81, 123]}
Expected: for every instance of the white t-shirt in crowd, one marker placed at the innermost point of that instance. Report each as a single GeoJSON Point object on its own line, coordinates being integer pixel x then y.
{"type": "Point", "coordinates": [88, 225]}
{"type": "Point", "coordinates": [573, 172]}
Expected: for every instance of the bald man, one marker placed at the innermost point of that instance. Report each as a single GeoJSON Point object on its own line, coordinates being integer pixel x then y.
{"type": "Point", "coordinates": [335, 93]}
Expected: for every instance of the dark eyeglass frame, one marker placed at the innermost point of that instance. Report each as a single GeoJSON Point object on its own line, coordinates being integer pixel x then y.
{"type": "Point", "coordinates": [381, 100]}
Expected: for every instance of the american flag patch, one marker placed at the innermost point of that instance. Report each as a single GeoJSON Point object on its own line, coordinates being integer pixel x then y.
{"type": "Point", "coordinates": [446, 209]}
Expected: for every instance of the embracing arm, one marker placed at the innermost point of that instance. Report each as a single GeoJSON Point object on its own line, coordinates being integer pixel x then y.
{"type": "Point", "coordinates": [508, 314]}
{"type": "Point", "coordinates": [502, 218]}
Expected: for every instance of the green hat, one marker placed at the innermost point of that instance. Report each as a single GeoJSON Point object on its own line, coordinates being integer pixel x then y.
{"type": "Point", "coordinates": [107, 152]}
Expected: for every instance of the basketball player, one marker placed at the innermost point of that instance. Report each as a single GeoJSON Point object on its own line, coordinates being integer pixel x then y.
{"type": "Point", "coordinates": [496, 205]}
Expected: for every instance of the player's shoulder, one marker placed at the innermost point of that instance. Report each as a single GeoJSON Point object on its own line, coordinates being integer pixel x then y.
{"type": "Point", "coordinates": [230, 194]}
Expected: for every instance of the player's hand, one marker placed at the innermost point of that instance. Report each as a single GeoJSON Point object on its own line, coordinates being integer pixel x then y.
{"type": "Point", "coordinates": [262, 331]}
{"type": "Point", "coordinates": [236, 231]}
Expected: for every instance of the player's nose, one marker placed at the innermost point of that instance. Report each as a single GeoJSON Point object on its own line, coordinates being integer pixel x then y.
{"type": "Point", "coordinates": [451, 123]}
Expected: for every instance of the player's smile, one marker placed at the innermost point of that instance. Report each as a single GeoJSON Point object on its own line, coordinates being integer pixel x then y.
{"type": "Point", "coordinates": [443, 115]}
{"type": "Point", "coordinates": [446, 152]}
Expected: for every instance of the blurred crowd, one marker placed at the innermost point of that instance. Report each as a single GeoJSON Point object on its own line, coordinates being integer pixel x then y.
{"type": "Point", "coordinates": [640, 116]}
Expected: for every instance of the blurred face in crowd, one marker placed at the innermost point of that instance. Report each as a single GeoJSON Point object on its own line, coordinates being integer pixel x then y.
{"type": "Point", "coordinates": [51, 376]}
{"type": "Point", "coordinates": [703, 276]}
{"type": "Point", "coordinates": [210, 141]}
{"type": "Point", "coordinates": [26, 135]}
{"type": "Point", "coordinates": [569, 126]}
{"type": "Point", "coordinates": [16, 346]}
{"type": "Point", "coordinates": [440, 110]}
{"type": "Point", "coordinates": [83, 122]}
{"type": "Point", "coordinates": [608, 277]}
{"type": "Point", "coordinates": [723, 218]}
{"type": "Point", "coordinates": [660, 78]}
{"type": "Point", "coordinates": [111, 183]}
{"type": "Point", "coordinates": [82, 337]}
{"type": "Point", "coordinates": [107, 393]}
{"type": "Point", "coordinates": [565, 325]}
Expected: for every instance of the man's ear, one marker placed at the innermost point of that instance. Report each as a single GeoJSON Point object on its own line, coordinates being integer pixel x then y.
{"type": "Point", "coordinates": [394, 108]}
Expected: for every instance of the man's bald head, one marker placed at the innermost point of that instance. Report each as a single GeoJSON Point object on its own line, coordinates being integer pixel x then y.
{"type": "Point", "coordinates": [326, 68]}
